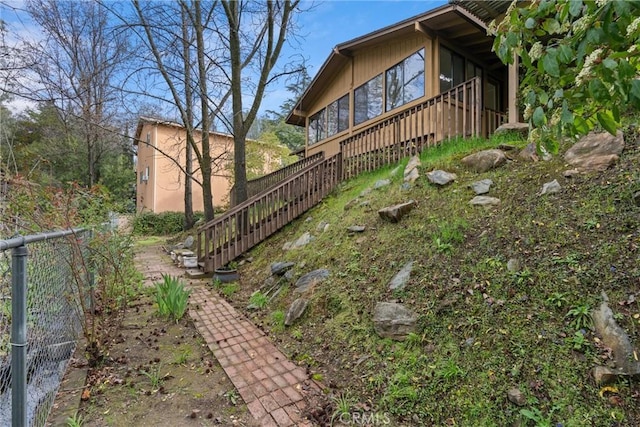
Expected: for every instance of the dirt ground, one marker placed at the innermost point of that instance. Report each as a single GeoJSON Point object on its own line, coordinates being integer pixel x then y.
{"type": "Point", "coordinates": [157, 373]}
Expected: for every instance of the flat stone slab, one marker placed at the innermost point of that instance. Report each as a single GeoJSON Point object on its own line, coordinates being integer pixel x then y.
{"type": "Point", "coordinates": [401, 278]}
{"type": "Point", "coordinates": [309, 280]}
{"type": "Point", "coordinates": [381, 183]}
{"type": "Point", "coordinates": [279, 268]}
{"type": "Point", "coordinates": [393, 320]}
{"type": "Point", "coordinates": [550, 187]}
{"type": "Point", "coordinates": [356, 228]}
{"type": "Point", "coordinates": [396, 212]}
{"type": "Point", "coordinates": [482, 187]}
{"type": "Point", "coordinates": [440, 177]}
{"type": "Point", "coordinates": [484, 201]}
{"type": "Point", "coordinates": [303, 240]}
{"type": "Point", "coordinates": [296, 310]}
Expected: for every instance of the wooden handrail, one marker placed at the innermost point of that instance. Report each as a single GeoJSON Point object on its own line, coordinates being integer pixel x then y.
{"type": "Point", "coordinates": [239, 229]}
{"type": "Point", "coordinates": [263, 183]}
{"type": "Point", "coordinates": [455, 112]}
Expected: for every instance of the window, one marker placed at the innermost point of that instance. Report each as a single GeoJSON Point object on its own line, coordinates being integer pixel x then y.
{"type": "Point", "coordinates": [405, 81]}
{"type": "Point", "coordinates": [452, 70]}
{"type": "Point", "coordinates": [493, 96]}
{"type": "Point", "coordinates": [144, 177]}
{"type": "Point", "coordinates": [338, 116]}
{"type": "Point", "coordinates": [317, 127]}
{"type": "Point", "coordinates": [368, 100]}
{"type": "Point", "coordinates": [473, 71]}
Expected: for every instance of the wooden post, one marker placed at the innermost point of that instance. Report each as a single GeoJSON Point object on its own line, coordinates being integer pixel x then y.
{"type": "Point", "coordinates": [512, 104]}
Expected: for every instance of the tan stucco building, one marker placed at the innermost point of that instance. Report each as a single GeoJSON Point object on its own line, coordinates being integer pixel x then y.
{"type": "Point", "coordinates": [160, 181]}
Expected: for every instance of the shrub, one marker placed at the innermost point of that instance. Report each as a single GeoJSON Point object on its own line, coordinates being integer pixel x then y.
{"type": "Point", "coordinates": [158, 224]}
{"type": "Point", "coordinates": [171, 297]}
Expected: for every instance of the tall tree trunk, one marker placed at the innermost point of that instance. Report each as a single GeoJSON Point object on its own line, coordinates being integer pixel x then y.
{"type": "Point", "coordinates": [205, 165]}
{"type": "Point", "coordinates": [239, 133]}
{"type": "Point", "coordinates": [189, 219]}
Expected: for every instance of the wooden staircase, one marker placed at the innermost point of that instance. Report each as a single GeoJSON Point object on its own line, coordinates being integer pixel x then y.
{"type": "Point", "coordinates": [280, 197]}
{"type": "Point", "coordinates": [225, 238]}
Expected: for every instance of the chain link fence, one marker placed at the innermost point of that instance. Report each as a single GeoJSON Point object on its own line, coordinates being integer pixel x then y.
{"type": "Point", "coordinates": [44, 284]}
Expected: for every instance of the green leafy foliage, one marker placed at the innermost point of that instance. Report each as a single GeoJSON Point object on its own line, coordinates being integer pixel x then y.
{"type": "Point", "coordinates": [160, 224]}
{"type": "Point", "coordinates": [172, 298]}
{"type": "Point", "coordinates": [580, 316]}
{"type": "Point", "coordinates": [258, 300]}
{"type": "Point", "coordinates": [581, 61]}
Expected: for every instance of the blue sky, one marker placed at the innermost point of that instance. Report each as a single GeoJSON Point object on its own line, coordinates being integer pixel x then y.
{"type": "Point", "coordinates": [332, 22]}
{"type": "Point", "coordinates": [325, 25]}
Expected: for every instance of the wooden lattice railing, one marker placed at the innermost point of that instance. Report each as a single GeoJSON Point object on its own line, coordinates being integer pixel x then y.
{"type": "Point", "coordinates": [259, 185]}
{"type": "Point", "coordinates": [249, 223]}
{"type": "Point", "coordinates": [456, 112]}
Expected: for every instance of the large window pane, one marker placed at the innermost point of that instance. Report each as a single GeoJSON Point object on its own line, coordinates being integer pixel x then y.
{"type": "Point", "coordinates": [458, 69]}
{"type": "Point", "coordinates": [368, 100]}
{"type": "Point", "coordinates": [343, 113]}
{"type": "Point", "coordinates": [394, 87]}
{"type": "Point", "coordinates": [338, 116]}
{"type": "Point", "coordinates": [446, 70]}
{"type": "Point", "coordinates": [414, 76]}
{"type": "Point", "coordinates": [317, 129]}
{"type": "Point", "coordinates": [405, 81]}
{"type": "Point", "coordinates": [332, 118]}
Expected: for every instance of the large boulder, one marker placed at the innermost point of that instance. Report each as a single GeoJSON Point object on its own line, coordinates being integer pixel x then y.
{"type": "Point", "coordinates": [485, 160]}
{"type": "Point", "coordinates": [521, 128]}
{"type": "Point", "coordinates": [393, 320]}
{"type": "Point", "coordinates": [595, 151]}
{"type": "Point", "coordinates": [396, 212]}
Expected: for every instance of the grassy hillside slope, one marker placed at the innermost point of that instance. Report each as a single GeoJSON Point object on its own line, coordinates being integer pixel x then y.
{"type": "Point", "coordinates": [482, 329]}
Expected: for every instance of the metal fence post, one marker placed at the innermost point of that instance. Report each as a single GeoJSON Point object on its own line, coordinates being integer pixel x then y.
{"type": "Point", "coordinates": [19, 336]}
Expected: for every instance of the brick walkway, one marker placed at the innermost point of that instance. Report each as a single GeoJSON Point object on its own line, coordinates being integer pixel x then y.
{"type": "Point", "coordinates": [273, 387]}
{"type": "Point", "coordinates": [276, 390]}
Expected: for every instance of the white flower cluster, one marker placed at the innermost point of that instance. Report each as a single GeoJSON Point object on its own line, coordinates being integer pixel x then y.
{"type": "Point", "coordinates": [535, 52]}
{"type": "Point", "coordinates": [588, 64]}
{"type": "Point", "coordinates": [633, 27]}
{"type": "Point", "coordinates": [601, 3]}
{"type": "Point", "coordinates": [581, 24]}
{"type": "Point", "coordinates": [528, 112]}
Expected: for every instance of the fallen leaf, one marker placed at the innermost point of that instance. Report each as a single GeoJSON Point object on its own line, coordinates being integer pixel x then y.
{"type": "Point", "coordinates": [607, 389]}
{"type": "Point", "coordinates": [86, 394]}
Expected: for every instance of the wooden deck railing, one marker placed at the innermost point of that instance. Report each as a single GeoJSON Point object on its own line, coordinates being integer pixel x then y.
{"type": "Point", "coordinates": [249, 223]}
{"type": "Point", "coordinates": [278, 198]}
{"type": "Point", "coordinates": [263, 183]}
{"type": "Point", "coordinates": [492, 120]}
{"type": "Point", "coordinates": [456, 112]}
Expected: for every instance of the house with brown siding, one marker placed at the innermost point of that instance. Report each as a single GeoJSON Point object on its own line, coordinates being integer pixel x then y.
{"type": "Point", "coordinates": [424, 79]}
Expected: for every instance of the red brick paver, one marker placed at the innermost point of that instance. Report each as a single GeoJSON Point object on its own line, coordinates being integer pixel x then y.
{"type": "Point", "coordinates": [273, 387]}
